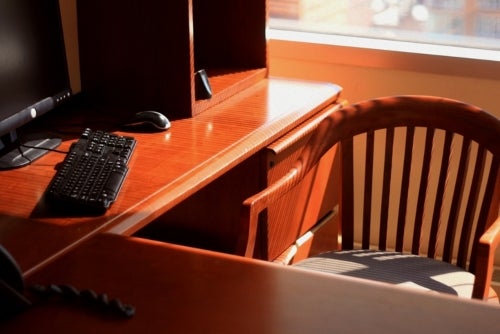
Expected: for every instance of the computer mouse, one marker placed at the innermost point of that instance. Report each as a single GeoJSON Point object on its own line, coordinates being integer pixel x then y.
{"type": "Point", "coordinates": [149, 118]}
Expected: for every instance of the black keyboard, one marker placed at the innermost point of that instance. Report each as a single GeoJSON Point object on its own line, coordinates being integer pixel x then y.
{"type": "Point", "coordinates": [92, 173]}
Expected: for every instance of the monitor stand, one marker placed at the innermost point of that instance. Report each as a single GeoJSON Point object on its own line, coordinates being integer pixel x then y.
{"type": "Point", "coordinates": [15, 154]}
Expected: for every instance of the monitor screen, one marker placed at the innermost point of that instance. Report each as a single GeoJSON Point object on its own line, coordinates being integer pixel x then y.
{"type": "Point", "coordinates": [33, 74]}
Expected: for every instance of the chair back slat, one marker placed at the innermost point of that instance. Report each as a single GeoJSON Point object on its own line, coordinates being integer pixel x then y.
{"type": "Point", "coordinates": [487, 211]}
{"type": "Point", "coordinates": [441, 184]}
{"type": "Point", "coordinates": [422, 194]}
{"type": "Point", "coordinates": [386, 186]}
{"type": "Point", "coordinates": [452, 223]}
{"type": "Point", "coordinates": [405, 183]}
{"type": "Point", "coordinates": [368, 186]}
{"type": "Point", "coordinates": [471, 206]}
{"type": "Point", "coordinates": [346, 201]}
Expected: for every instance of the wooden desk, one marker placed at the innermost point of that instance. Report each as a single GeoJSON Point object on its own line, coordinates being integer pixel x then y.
{"type": "Point", "coordinates": [166, 167]}
{"type": "Point", "coordinates": [177, 289]}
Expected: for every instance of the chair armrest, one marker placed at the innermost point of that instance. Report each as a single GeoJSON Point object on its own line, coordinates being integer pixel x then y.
{"type": "Point", "coordinates": [492, 235]}
{"type": "Point", "coordinates": [488, 243]}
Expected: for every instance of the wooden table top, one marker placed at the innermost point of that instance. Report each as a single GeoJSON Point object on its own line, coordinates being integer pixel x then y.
{"type": "Point", "coordinates": [177, 289]}
{"type": "Point", "coordinates": [165, 168]}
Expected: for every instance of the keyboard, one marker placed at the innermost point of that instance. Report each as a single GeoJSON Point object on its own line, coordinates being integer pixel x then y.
{"type": "Point", "coordinates": [91, 175]}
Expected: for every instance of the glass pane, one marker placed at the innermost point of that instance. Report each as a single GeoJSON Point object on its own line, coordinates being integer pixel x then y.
{"type": "Point", "coordinates": [469, 23]}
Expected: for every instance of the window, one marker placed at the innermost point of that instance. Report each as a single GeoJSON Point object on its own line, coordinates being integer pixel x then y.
{"type": "Point", "coordinates": [471, 24]}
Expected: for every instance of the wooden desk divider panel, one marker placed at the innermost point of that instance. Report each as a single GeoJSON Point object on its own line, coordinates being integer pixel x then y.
{"type": "Point", "coordinates": [177, 289]}
{"type": "Point", "coordinates": [142, 55]}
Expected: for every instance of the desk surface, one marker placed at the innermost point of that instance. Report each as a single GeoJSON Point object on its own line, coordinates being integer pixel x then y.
{"type": "Point", "coordinates": [166, 167]}
{"type": "Point", "coordinates": [176, 289]}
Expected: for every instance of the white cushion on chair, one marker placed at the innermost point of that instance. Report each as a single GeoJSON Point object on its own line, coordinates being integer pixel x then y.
{"type": "Point", "coordinates": [396, 268]}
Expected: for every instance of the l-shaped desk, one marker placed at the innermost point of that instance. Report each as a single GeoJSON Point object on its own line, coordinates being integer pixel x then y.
{"type": "Point", "coordinates": [190, 290]}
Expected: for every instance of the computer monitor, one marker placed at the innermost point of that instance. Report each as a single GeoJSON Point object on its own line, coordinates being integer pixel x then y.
{"type": "Point", "coordinates": [33, 75]}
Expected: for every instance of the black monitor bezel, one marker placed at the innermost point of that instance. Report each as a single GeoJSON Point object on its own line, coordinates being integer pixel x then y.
{"type": "Point", "coordinates": [15, 152]}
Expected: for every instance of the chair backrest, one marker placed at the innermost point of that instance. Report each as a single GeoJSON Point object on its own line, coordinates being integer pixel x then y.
{"type": "Point", "coordinates": [435, 182]}
{"type": "Point", "coordinates": [444, 196]}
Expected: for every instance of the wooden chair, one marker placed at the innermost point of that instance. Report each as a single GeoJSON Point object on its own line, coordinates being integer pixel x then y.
{"type": "Point", "coordinates": [435, 222]}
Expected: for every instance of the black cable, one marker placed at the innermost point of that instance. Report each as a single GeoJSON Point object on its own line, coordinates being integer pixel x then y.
{"type": "Point", "coordinates": [42, 148]}
{"type": "Point", "coordinates": [69, 292]}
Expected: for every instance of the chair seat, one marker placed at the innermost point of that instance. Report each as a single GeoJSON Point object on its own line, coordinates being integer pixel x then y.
{"type": "Point", "coordinates": [396, 268]}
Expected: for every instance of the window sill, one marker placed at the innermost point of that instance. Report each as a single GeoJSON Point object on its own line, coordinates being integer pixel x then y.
{"type": "Point", "coordinates": [365, 52]}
